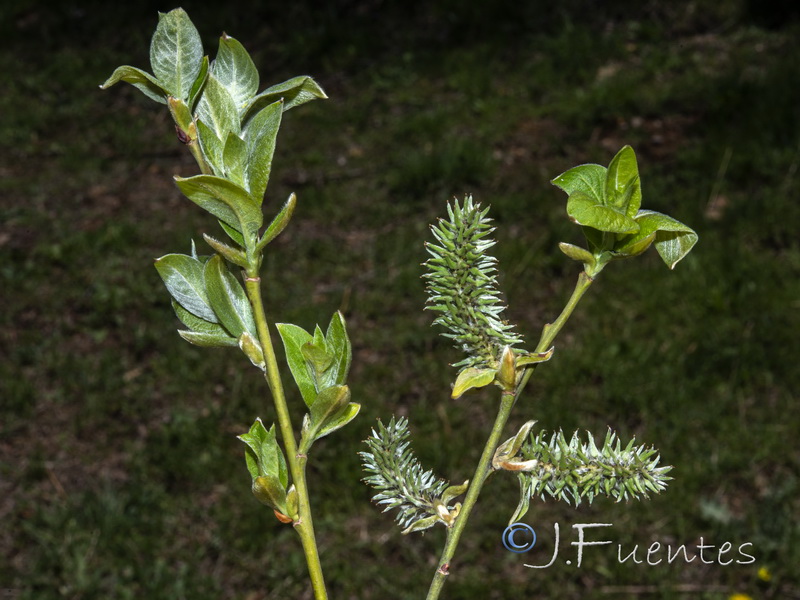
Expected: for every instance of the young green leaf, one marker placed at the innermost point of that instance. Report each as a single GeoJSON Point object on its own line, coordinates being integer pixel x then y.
{"type": "Point", "coordinates": [294, 338]}
{"type": "Point", "coordinates": [338, 344]}
{"type": "Point", "coordinates": [279, 223]}
{"type": "Point", "coordinates": [264, 456]}
{"type": "Point", "coordinates": [198, 85]}
{"type": "Point", "coordinates": [472, 378]}
{"type": "Point", "coordinates": [235, 70]}
{"type": "Point", "coordinates": [589, 179]}
{"type": "Point", "coordinates": [176, 53]}
{"type": "Point", "coordinates": [183, 276]}
{"type": "Point", "coordinates": [329, 403]}
{"type": "Point", "coordinates": [234, 159]}
{"type": "Point", "coordinates": [228, 299]}
{"type": "Point", "coordinates": [139, 79]}
{"type": "Point", "coordinates": [211, 146]}
{"type": "Point", "coordinates": [585, 210]}
{"type": "Point", "coordinates": [260, 136]}
{"type": "Point", "coordinates": [202, 332]}
{"type": "Point", "coordinates": [623, 189]}
{"type": "Point", "coordinates": [294, 92]}
{"type": "Point", "coordinates": [338, 421]}
{"type": "Point", "coordinates": [225, 200]}
{"type": "Point", "coordinates": [217, 108]}
{"type": "Point", "coordinates": [234, 255]}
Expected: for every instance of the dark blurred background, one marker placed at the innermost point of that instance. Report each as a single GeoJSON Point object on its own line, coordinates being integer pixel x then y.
{"type": "Point", "coordinates": [120, 474]}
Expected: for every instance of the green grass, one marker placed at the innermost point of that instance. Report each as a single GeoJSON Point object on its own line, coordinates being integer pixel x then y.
{"type": "Point", "coordinates": [120, 474]}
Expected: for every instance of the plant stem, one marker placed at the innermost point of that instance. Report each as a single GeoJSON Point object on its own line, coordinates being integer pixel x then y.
{"type": "Point", "coordinates": [551, 330]}
{"type": "Point", "coordinates": [483, 470]}
{"type": "Point", "coordinates": [304, 525]}
{"type": "Point", "coordinates": [478, 479]}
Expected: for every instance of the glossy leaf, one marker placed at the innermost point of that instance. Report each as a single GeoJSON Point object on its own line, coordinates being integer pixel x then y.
{"type": "Point", "coordinates": [531, 358]}
{"type": "Point", "coordinates": [176, 53]}
{"type": "Point", "coordinates": [623, 189]}
{"type": "Point", "coordinates": [260, 136]}
{"type": "Point", "coordinates": [329, 403]}
{"type": "Point", "coordinates": [183, 275]}
{"type": "Point", "coordinates": [228, 299]}
{"type": "Point", "coordinates": [141, 80]}
{"type": "Point", "coordinates": [674, 240]}
{"type": "Point", "coordinates": [235, 70]}
{"type": "Point", "coordinates": [338, 421]}
{"type": "Point", "coordinates": [216, 108]}
{"type": "Point", "coordinates": [577, 253]}
{"type": "Point", "coordinates": [264, 456]}
{"type": "Point", "coordinates": [339, 348]}
{"type": "Point", "coordinates": [223, 199]}
{"type": "Point", "coordinates": [587, 179]}
{"type": "Point", "coordinates": [293, 92]}
{"type": "Point", "coordinates": [294, 338]}
{"type": "Point", "coordinates": [202, 332]}
{"type": "Point", "coordinates": [279, 223]}
{"type": "Point", "coordinates": [585, 210]}
{"type": "Point", "coordinates": [471, 378]}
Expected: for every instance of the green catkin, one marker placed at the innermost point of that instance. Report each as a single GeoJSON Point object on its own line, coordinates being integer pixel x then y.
{"type": "Point", "coordinates": [462, 285]}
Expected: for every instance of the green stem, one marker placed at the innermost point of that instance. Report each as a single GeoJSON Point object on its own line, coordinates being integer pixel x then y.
{"type": "Point", "coordinates": [551, 330]}
{"type": "Point", "coordinates": [484, 467]}
{"type": "Point", "coordinates": [304, 525]}
{"type": "Point", "coordinates": [478, 479]}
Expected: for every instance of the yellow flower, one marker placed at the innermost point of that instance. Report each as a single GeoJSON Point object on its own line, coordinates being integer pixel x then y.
{"type": "Point", "coordinates": [764, 574]}
{"type": "Point", "coordinates": [739, 597]}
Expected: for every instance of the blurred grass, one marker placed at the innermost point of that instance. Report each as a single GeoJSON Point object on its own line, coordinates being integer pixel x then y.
{"type": "Point", "coordinates": [120, 474]}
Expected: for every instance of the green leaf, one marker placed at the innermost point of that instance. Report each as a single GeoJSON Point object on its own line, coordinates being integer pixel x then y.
{"type": "Point", "coordinates": [293, 92]}
{"type": "Point", "coordinates": [294, 338]}
{"type": "Point", "coordinates": [228, 299]}
{"type": "Point", "coordinates": [279, 223]}
{"type": "Point", "coordinates": [673, 240]}
{"type": "Point", "coordinates": [225, 200]}
{"type": "Point", "coordinates": [471, 378]}
{"type": "Point", "coordinates": [585, 210]}
{"type": "Point", "coordinates": [264, 456]}
{"type": "Point", "coordinates": [176, 53]}
{"type": "Point", "coordinates": [252, 350]}
{"type": "Point", "coordinates": [234, 159]}
{"type": "Point", "coordinates": [180, 113]}
{"type": "Point", "coordinates": [577, 253]}
{"type": "Point", "coordinates": [588, 179]}
{"type": "Point", "coordinates": [234, 68]}
{"type": "Point", "coordinates": [211, 146]}
{"type": "Point", "coordinates": [531, 358]}
{"type": "Point", "coordinates": [234, 255]}
{"type": "Point", "coordinates": [202, 332]}
{"type": "Point", "coordinates": [329, 403]}
{"type": "Point", "coordinates": [217, 109]}
{"type": "Point", "coordinates": [339, 348]}
{"type": "Point", "coordinates": [236, 236]}
{"type": "Point", "coordinates": [184, 278]}
{"type": "Point", "coordinates": [338, 421]}
{"type": "Point", "coordinates": [269, 491]}
{"type": "Point", "coordinates": [139, 79]}
{"type": "Point", "coordinates": [260, 136]}
{"type": "Point", "coordinates": [199, 83]}
{"type": "Point", "coordinates": [623, 189]}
